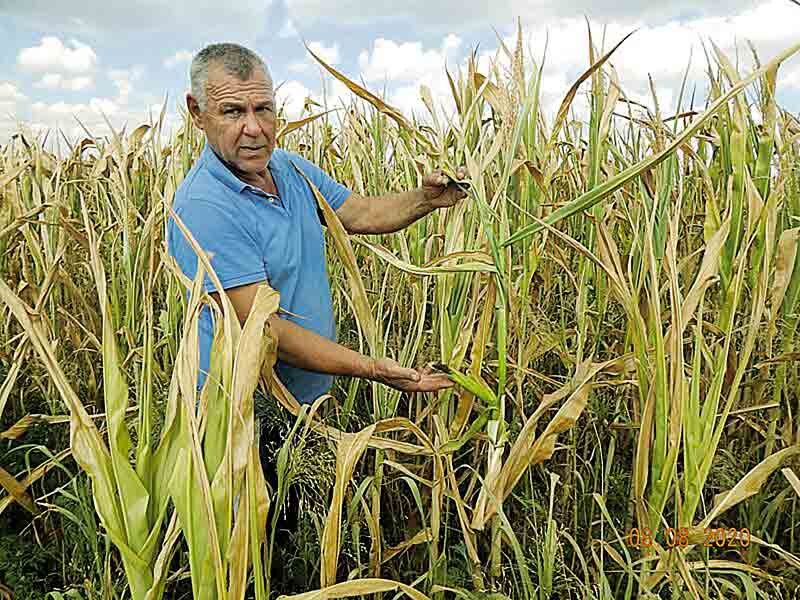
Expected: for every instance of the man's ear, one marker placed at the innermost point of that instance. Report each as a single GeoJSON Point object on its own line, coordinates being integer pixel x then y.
{"type": "Point", "coordinates": [194, 111]}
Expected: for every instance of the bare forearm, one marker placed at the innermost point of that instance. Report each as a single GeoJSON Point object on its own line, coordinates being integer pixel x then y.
{"type": "Point", "coordinates": [392, 212]}
{"type": "Point", "coordinates": [305, 349]}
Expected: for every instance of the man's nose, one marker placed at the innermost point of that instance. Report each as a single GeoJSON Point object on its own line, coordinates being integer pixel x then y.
{"type": "Point", "coordinates": [251, 125]}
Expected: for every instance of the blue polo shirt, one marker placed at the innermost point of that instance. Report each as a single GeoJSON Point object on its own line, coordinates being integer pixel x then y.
{"type": "Point", "coordinates": [254, 236]}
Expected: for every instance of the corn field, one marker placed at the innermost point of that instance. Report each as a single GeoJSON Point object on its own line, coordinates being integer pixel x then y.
{"type": "Point", "coordinates": [617, 302]}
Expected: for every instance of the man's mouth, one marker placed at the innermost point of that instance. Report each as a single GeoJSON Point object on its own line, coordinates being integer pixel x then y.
{"type": "Point", "coordinates": [252, 148]}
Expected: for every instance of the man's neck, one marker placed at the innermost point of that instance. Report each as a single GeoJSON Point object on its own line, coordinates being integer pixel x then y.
{"type": "Point", "coordinates": [262, 180]}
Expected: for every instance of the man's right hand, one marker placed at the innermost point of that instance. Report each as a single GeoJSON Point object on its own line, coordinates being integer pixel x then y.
{"type": "Point", "coordinates": [389, 372]}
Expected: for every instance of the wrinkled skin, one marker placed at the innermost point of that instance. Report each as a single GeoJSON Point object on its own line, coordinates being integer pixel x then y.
{"type": "Point", "coordinates": [239, 123]}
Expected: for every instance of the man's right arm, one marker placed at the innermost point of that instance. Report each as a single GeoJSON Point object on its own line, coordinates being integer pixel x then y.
{"type": "Point", "coordinates": [308, 350]}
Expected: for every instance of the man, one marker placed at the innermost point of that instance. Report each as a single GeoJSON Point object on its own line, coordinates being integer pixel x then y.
{"type": "Point", "coordinates": [250, 209]}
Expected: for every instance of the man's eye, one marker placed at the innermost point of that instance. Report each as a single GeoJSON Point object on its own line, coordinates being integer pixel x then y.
{"type": "Point", "coordinates": [232, 111]}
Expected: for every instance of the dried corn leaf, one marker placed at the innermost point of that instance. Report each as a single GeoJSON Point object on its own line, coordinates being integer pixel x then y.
{"type": "Point", "coordinates": [34, 475]}
{"type": "Point", "coordinates": [480, 262]}
{"type": "Point", "coordinates": [359, 587]}
{"type": "Point", "coordinates": [17, 491]}
{"type": "Point", "coordinates": [359, 91]}
{"type": "Point", "coordinates": [530, 450]}
{"type": "Point", "coordinates": [792, 478]}
{"type": "Point", "coordinates": [345, 250]}
{"type": "Point", "coordinates": [420, 537]}
{"type": "Point", "coordinates": [238, 551]}
{"type": "Point", "coordinates": [784, 266]}
{"type": "Point", "coordinates": [750, 484]}
{"type": "Point", "coordinates": [349, 450]}
{"type": "Point", "coordinates": [13, 174]}
{"type": "Point", "coordinates": [294, 125]}
{"type": "Point", "coordinates": [491, 92]}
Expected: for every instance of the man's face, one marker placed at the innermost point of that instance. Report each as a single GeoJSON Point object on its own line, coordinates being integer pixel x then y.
{"type": "Point", "coordinates": [239, 120]}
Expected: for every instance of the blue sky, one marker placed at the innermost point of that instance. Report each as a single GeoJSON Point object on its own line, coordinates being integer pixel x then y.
{"type": "Point", "coordinates": [61, 59]}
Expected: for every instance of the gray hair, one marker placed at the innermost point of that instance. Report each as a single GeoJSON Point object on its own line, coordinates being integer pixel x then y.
{"type": "Point", "coordinates": [235, 60]}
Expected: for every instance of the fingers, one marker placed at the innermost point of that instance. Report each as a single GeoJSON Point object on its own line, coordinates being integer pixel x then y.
{"type": "Point", "coordinates": [406, 374]}
{"type": "Point", "coordinates": [439, 178]}
{"type": "Point", "coordinates": [411, 375]}
{"type": "Point", "coordinates": [436, 179]}
{"type": "Point", "coordinates": [426, 370]}
{"type": "Point", "coordinates": [431, 381]}
{"type": "Point", "coordinates": [422, 380]}
{"type": "Point", "coordinates": [433, 384]}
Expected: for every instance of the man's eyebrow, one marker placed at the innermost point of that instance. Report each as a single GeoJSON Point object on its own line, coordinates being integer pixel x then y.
{"type": "Point", "coordinates": [225, 104]}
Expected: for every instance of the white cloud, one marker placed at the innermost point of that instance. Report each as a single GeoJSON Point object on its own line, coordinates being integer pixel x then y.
{"type": "Point", "coordinates": [68, 117]}
{"type": "Point", "coordinates": [181, 56]}
{"type": "Point", "coordinates": [9, 92]}
{"type": "Point", "coordinates": [123, 80]}
{"type": "Point", "coordinates": [410, 65]}
{"type": "Point", "coordinates": [790, 79]}
{"type": "Point", "coordinates": [91, 113]}
{"type": "Point", "coordinates": [669, 34]}
{"type": "Point", "coordinates": [65, 116]}
{"type": "Point", "coordinates": [78, 83]}
{"type": "Point", "coordinates": [451, 42]}
{"type": "Point", "coordinates": [448, 13]}
{"type": "Point", "coordinates": [670, 37]}
{"type": "Point", "coordinates": [104, 106]}
{"type": "Point", "coordinates": [407, 99]}
{"type": "Point", "coordinates": [299, 67]}
{"type": "Point", "coordinates": [55, 81]}
{"type": "Point", "coordinates": [9, 96]}
{"type": "Point", "coordinates": [336, 94]}
{"type": "Point", "coordinates": [59, 110]}
{"type": "Point", "coordinates": [292, 95]}
{"type": "Point", "coordinates": [405, 61]}
{"type": "Point", "coordinates": [330, 54]}
{"type": "Point", "coordinates": [50, 81]}
{"type": "Point", "coordinates": [661, 51]}
{"type": "Point", "coordinates": [52, 55]}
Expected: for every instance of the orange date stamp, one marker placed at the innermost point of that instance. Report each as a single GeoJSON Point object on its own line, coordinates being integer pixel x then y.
{"type": "Point", "coordinates": [672, 537]}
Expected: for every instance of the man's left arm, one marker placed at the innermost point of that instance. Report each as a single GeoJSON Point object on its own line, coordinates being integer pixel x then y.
{"type": "Point", "coordinates": [394, 211]}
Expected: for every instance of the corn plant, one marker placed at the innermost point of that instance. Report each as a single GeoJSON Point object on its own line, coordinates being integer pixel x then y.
{"type": "Point", "coordinates": [615, 301]}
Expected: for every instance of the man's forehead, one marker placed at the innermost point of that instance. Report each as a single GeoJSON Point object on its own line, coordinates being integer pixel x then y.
{"type": "Point", "coordinates": [221, 83]}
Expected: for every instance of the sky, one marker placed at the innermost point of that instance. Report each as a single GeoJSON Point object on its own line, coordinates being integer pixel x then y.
{"type": "Point", "coordinates": [98, 61]}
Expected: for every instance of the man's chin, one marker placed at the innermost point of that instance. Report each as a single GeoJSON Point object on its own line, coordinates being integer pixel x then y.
{"type": "Point", "coordinates": [260, 154]}
{"type": "Point", "coordinates": [254, 163]}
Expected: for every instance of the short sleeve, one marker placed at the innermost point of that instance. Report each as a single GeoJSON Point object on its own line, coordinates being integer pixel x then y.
{"type": "Point", "coordinates": [333, 191]}
{"type": "Point", "coordinates": [235, 256]}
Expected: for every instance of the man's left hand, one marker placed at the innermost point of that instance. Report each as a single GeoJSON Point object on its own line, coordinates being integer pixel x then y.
{"type": "Point", "coordinates": [440, 190]}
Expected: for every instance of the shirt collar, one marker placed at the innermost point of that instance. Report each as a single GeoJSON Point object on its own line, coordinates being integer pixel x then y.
{"type": "Point", "coordinates": [222, 173]}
